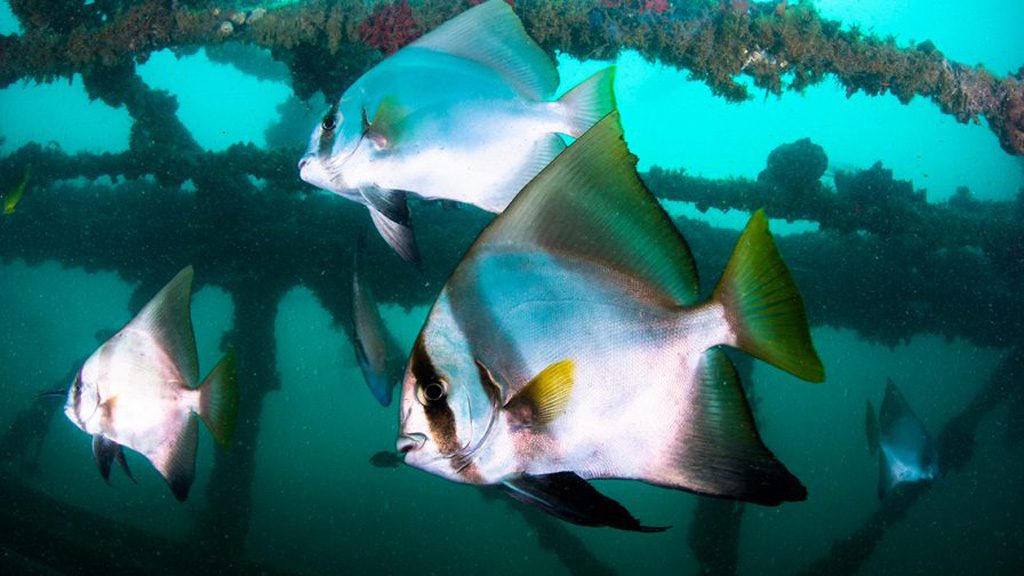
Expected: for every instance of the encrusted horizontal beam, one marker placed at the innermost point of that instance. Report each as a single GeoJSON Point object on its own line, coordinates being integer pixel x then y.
{"type": "Point", "coordinates": [327, 44]}
{"type": "Point", "coordinates": [886, 283]}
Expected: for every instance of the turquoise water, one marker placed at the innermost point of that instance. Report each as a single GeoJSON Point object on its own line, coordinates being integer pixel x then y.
{"type": "Point", "coordinates": [319, 507]}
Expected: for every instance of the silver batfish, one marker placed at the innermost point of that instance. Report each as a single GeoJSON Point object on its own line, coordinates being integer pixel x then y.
{"type": "Point", "coordinates": [570, 339]}
{"type": "Point", "coordinates": [466, 113]}
{"type": "Point", "coordinates": [139, 390]}
{"type": "Point", "coordinates": [905, 450]}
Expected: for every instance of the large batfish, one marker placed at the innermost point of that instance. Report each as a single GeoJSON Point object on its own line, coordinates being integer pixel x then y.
{"type": "Point", "coordinates": [905, 450]}
{"type": "Point", "coordinates": [466, 113]}
{"type": "Point", "coordinates": [139, 390]}
{"type": "Point", "coordinates": [570, 344]}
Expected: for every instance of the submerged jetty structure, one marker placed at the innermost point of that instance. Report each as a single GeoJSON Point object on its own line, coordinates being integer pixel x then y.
{"type": "Point", "coordinates": [245, 220]}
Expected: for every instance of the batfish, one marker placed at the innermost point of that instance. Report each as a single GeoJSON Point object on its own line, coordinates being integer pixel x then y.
{"type": "Point", "coordinates": [139, 390]}
{"type": "Point", "coordinates": [905, 450]}
{"type": "Point", "coordinates": [570, 343]}
{"type": "Point", "coordinates": [465, 113]}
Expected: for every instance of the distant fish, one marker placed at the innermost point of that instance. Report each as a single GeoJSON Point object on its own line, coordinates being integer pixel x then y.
{"type": "Point", "coordinates": [386, 459]}
{"type": "Point", "coordinates": [570, 344]}
{"type": "Point", "coordinates": [139, 390]}
{"type": "Point", "coordinates": [13, 197]}
{"type": "Point", "coordinates": [464, 113]}
{"type": "Point", "coordinates": [906, 452]}
{"type": "Point", "coordinates": [370, 337]}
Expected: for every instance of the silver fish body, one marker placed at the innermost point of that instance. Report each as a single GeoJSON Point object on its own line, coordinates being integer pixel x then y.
{"type": "Point", "coordinates": [466, 113]}
{"type": "Point", "coordinates": [571, 339]}
{"type": "Point", "coordinates": [627, 428]}
{"type": "Point", "coordinates": [139, 390]}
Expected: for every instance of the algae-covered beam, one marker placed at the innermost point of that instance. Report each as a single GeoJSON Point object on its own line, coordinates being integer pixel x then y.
{"type": "Point", "coordinates": [888, 289]}
{"type": "Point", "coordinates": [869, 201]}
{"type": "Point", "coordinates": [224, 524]}
{"type": "Point", "coordinates": [326, 44]}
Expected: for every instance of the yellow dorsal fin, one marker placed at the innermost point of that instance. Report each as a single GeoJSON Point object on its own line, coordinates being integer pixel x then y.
{"type": "Point", "coordinates": [546, 396]}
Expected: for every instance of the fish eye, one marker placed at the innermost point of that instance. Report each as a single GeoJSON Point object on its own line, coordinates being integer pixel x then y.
{"type": "Point", "coordinates": [433, 391]}
{"type": "Point", "coordinates": [329, 123]}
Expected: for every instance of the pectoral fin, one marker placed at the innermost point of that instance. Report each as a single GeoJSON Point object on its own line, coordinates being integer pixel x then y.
{"type": "Point", "coordinates": [571, 498]}
{"type": "Point", "coordinates": [546, 396]}
{"type": "Point", "coordinates": [386, 127]}
{"type": "Point", "coordinates": [390, 214]}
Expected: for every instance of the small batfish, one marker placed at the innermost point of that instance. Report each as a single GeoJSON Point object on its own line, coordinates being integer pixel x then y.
{"type": "Point", "coordinates": [139, 390]}
{"type": "Point", "coordinates": [13, 197]}
{"type": "Point", "coordinates": [371, 339]}
{"type": "Point", "coordinates": [905, 450]}
{"type": "Point", "coordinates": [571, 339]}
{"type": "Point", "coordinates": [465, 113]}
{"type": "Point", "coordinates": [386, 459]}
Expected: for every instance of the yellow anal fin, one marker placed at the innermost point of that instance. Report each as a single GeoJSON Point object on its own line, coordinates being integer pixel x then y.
{"type": "Point", "coordinates": [545, 398]}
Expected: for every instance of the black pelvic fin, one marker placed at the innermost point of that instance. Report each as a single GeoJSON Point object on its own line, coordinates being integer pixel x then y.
{"type": "Point", "coordinates": [124, 464]}
{"type": "Point", "coordinates": [571, 498]}
{"type": "Point", "coordinates": [104, 450]}
{"type": "Point", "coordinates": [390, 213]}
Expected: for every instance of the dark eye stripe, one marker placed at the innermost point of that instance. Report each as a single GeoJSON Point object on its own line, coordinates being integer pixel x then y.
{"type": "Point", "coordinates": [76, 388]}
{"type": "Point", "coordinates": [422, 368]}
{"type": "Point", "coordinates": [442, 427]}
{"type": "Point", "coordinates": [439, 414]}
{"type": "Point", "coordinates": [327, 136]}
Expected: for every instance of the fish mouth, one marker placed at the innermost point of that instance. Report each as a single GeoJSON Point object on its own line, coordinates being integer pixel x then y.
{"type": "Point", "coordinates": [408, 442]}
